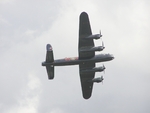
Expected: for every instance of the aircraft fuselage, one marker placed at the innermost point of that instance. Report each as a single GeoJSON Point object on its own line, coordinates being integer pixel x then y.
{"type": "Point", "coordinates": [76, 60]}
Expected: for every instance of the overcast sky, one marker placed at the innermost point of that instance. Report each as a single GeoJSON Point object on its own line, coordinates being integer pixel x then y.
{"type": "Point", "coordinates": [26, 26]}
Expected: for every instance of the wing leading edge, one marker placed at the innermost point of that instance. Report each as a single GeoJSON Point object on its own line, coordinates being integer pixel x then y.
{"type": "Point", "coordinates": [85, 31]}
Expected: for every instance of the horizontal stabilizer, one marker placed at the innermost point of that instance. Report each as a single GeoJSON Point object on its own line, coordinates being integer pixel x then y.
{"type": "Point", "coordinates": [49, 59]}
{"type": "Point", "coordinates": [50, 72]}
{"type": "Point", "coordinates": [49, 54]}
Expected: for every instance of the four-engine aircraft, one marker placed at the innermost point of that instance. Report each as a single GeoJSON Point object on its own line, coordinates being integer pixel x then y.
{"type": "Point", "coordinates": [86, 59]}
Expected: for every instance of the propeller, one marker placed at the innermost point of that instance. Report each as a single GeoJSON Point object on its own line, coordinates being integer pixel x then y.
{"type": "Point", "coordinates": [102, 79]}
{"type": "Point", "coordinates": [100, 35]}
{"type": "Point", "coordinates": [104, 73]}
{"type": "Point", "coordinates": [102, 40]}
{"type": "Point", "coordinates": [102, 43]}
{"type": "Point", "coordinates": [104, 68]}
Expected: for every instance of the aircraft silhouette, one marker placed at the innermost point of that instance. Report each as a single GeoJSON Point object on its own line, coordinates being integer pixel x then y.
{"type": "Point", "coordinates": [86, 59]}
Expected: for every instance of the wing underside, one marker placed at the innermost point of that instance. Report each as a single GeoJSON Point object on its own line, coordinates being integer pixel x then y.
{"type": "Point", "coordinates": [85, 31]}
{"type": "Point", "coordinates": [85, 78]}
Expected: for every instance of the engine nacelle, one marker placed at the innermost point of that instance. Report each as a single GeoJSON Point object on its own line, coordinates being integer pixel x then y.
{"type": "Point", "coordinates": [95, 69]}
{"type": "Point", "coordinates": [98, 48]}
{"type": "Point", "coordinates": [96, 36]}
{"type": "Point", "coordinates": [98, 80]}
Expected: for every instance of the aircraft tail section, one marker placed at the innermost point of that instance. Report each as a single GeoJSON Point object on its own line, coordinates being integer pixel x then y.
{"type": "Point", "coordinates": [50, 72]}
{"type": "Point", "coordinates": [49, 54]}
{"type": "Point", "coordinates": [49, 60]}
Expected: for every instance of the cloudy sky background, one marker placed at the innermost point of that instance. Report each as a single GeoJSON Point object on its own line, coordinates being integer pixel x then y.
{"type": "Point", "coordinates": [26, 26]}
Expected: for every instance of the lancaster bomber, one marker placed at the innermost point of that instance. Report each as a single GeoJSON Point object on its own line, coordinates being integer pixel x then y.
{"type": "Point", "coordinates": [86, 57]}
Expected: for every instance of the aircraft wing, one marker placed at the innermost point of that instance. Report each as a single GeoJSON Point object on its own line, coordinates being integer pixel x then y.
{"type": "Point", "coordinates": [85, 31]}
{"type": "Point", "coordinates": [86, 78]}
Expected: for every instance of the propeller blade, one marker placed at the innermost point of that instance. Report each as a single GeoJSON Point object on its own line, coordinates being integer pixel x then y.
{"type": "Point", "coordinates": [104, 68]}
{"type": "Point", "coordinates": [102, 40]}
{"type": "Point", "coordinates": [102, 79]}
{"type": "Point", "coordinates": [102, 43]}
{"type": "Point", "coordinates": [100, 34]}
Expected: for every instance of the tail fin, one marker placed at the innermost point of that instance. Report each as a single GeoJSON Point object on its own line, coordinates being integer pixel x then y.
{"type": "Point", "coordinates": [49, 59]}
